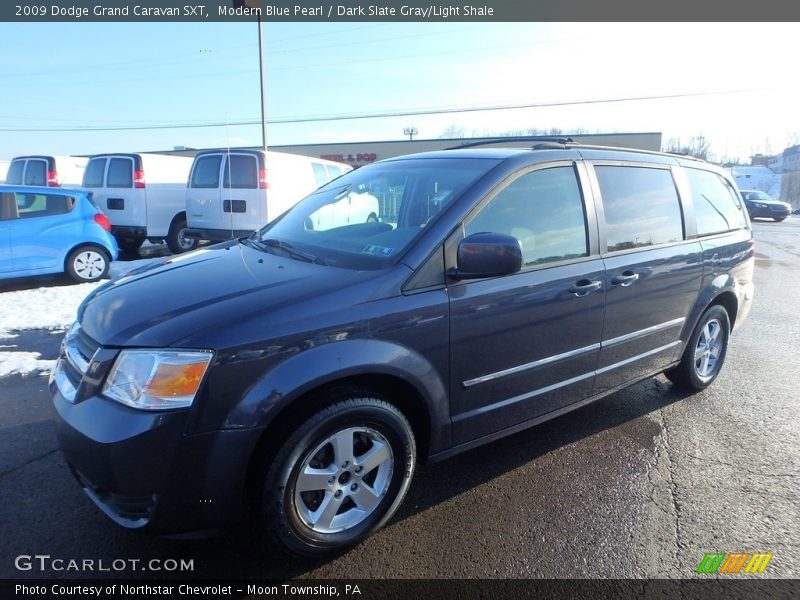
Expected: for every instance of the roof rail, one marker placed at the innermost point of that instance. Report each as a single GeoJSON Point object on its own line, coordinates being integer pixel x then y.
{"type": "Point", "coordinates": [519, 138]}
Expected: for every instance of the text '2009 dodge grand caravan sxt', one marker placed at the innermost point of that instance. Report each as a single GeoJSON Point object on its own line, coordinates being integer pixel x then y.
{"type": "Point", "coordinates": [299, 374]}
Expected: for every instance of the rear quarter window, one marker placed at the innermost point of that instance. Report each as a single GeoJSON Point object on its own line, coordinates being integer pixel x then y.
{"type": "Point", "coordinates": [716, 206]}
{"type": "Point", "coordinates": [641, 206]}
{"type": "Point", "coordinates": [43, 205]}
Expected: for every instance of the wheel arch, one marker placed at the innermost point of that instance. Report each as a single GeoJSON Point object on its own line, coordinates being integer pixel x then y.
{"type": "Point", "coordinates": [721, 291]}
{"type": "Point", "coordinates": [181, 214]}
{"type": "Point", "coordinates": [292, 392]}
{"type": "Point", "coordinates": [85, 244]}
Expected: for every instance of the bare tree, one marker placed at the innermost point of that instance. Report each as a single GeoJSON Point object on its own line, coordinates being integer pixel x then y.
{"type": "Point", "coordinates": [697, 146]}
{"type": "Point", "coordinates": [454, 132]}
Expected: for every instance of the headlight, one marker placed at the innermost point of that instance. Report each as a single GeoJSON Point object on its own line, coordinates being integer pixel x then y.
{"type": "Point", "coordinates": [156, 379]}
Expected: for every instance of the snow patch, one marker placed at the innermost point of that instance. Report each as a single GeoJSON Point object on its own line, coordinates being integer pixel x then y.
{"type": "Point", "coordinates": [53, 307]}
{"type": "Point", "coordinates": [758, 178]}
{"type": "Point", "coordinates": [23, 363]}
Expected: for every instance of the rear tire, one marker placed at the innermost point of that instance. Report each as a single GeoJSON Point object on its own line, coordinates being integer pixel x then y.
{"type": "Point", "coordinates": [705, 351]}
{"type": "Point", "coordinates": [177, 242]}
{"type": "Point", "coordinates": [128, 244]}
{"type": "Point", "coordinates": [338, 478]}
{"type": "Point", "coordinates": [87, 264]}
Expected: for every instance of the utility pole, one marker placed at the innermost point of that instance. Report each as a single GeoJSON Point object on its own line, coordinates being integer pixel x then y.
{"type": "Point", "coordinates": [262, 71]}
{"type": "Point", "coordinates": [410, 132]}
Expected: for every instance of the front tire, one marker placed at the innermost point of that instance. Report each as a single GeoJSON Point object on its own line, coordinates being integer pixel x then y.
{"type": "Point", "coordinates": [705, 352]}
{"type": "Point", "coordinates": [177, 242]}
{"type": "Point", "coordinates": [778, 219]}
{"type": "Point", "coordinates": [339, 477]}
{"type": "Point", "coordinates": [87, 264]}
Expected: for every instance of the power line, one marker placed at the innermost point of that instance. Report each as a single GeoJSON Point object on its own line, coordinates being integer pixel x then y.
{"type": "Point", "coordinates": [381, 115]}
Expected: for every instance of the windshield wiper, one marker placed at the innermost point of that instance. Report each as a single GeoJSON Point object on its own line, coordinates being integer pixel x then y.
{"type": "Point", "coordinates": [291, 250]}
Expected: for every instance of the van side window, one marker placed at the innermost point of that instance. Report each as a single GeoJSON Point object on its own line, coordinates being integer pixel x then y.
{"type": "Point", "coordinates": [319, 173]}
{"type": "Point", "coordinates": [14, 175]}
{"type": "Point", "coordinates": [120, 173]}
{"type": "Point", "coordinates": [241, 172]}
{"type": "Point", "coordinates": [43, 205]}
{"type": "Point", "coordinates": [93, 175]}
{"type": "Point", "coordinates": [715, 204]}
{"type": "Point", "coordinates": [36, 173]}
{"type": "Point", "coordinates": [206, 172]}
{"type": "Point", "coordinates": [641, 207]}
{"type": "Point", "coordinates": [544, 210]}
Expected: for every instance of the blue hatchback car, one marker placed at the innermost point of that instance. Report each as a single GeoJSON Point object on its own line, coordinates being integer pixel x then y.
{"type": "Point", "coordinates": [47, 230]}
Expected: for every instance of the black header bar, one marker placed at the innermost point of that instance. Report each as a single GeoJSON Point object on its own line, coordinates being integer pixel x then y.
{"type": "Point", "coordinates": [434, 11]}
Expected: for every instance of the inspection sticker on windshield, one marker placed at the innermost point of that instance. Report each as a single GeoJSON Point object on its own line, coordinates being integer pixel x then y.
{"type": "Point", "coordinates": [377, 250]}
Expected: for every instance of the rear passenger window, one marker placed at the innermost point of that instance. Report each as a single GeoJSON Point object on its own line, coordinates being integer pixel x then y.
{"type": "Point", "coordinates": [36, 173]}
{"type": "Point", "coordinates": [544, 211]}
{"type": "Point", "coordinates": [319, 173]}
{"type": "Point", "coordinates": [43, 205]}
{"type": "Point", "coordinates": [641, 207]}
{"type": "Point", "coordinates": [120, 173]}
{"type": "Point", "coordinates": [716, 207]}
{"type": "Point", "coordinates": [241, 172]}
{"type": "Point", "coordinates": [14, 175]}
{"type": "Point", "coordinates": [93, 175]}
{"type": "Point", "coordinates": [206, 172]}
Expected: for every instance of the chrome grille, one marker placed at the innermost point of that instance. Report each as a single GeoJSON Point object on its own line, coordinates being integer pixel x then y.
{"type": "Point", "coordinates": [77, 351]}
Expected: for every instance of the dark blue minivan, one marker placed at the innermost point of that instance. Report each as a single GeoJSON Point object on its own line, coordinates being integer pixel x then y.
{"type": "Point", "coordinates": [298, 375]}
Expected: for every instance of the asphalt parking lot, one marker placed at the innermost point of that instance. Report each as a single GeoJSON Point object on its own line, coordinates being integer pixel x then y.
{"type": "Point", "coordinates": [640, 484]}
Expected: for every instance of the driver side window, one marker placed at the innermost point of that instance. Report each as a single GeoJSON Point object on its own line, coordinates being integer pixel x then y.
{"type": "Point", "coordinates": [542, 209]}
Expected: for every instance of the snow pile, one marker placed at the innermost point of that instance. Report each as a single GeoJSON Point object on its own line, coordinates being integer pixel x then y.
{"type": "Point", "coordinates": [53, 308]}
{"type": "Point", "coordinates": [758, 178]}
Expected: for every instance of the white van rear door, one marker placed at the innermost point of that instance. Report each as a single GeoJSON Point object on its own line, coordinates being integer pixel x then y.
{"type": "Point", "coordinates": [243, 200]}
{"type": "Point", "coordinates": [124, 204]}
{"type": "Point", "coordinates": [203, 208]}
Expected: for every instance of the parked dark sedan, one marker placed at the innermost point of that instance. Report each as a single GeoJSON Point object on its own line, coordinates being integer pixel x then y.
{"type": "Point", "coordinates": [761, 205]}
{"type": "Point", "coordinates": [300, 374]}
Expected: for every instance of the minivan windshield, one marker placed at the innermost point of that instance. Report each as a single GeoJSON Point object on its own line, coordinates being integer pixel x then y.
{"type": "Point", "coordinates": [366, 218]}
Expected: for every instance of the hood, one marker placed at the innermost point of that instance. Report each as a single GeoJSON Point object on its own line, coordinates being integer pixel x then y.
{"type": "Point", "coordinates": [165, 302]}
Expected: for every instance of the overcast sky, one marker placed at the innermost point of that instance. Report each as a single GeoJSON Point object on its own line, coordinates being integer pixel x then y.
{"type": "Point", "coordinates": [737, 82]}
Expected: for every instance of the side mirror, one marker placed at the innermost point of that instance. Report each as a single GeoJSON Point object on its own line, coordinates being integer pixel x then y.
{"type": "Point", "coordinates": [487, 255]}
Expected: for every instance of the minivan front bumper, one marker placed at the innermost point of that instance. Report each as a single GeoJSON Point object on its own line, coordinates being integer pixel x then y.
{"type": "Point", "coordinates": [144, 472]}
{"type": "Point", "coordinates": [770, 211]}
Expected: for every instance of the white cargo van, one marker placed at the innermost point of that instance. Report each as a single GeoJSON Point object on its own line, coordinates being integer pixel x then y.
{"type": "Point", "coordinates": [233, 192]}
{"type": "Point", "coordinates": [50, 171]}
{"type": "Point", "coordinates": [3, 170]}
{"type": "Point", "coordinates": [144, 196]}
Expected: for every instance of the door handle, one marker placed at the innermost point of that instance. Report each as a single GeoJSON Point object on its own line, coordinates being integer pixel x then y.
{"type": "Point", "coordinates": [624, 279]}
{"type": "Point", "coordinates": [584, 286]}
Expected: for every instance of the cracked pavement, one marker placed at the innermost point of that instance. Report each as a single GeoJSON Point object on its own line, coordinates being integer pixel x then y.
{"type": "Point", "coordinates": [640, 484]}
